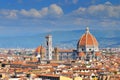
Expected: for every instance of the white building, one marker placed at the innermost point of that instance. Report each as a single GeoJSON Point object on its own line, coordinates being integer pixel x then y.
{"type": "Point", "coordinates": [49, 47]}
{"type": "Point", "coordinates": [87, 46]}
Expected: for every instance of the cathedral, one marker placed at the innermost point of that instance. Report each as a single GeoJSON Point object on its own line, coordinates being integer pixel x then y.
{"type": "Point", "coordinates": [87, 49]}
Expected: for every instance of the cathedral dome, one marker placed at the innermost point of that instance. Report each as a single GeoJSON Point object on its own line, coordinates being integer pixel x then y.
{"type": "Point", "coordinates": [40, 49]}
{"type": "Point", "coordinates": [87, 39]}
{"type": "Point", "coordinates": [40, 52]}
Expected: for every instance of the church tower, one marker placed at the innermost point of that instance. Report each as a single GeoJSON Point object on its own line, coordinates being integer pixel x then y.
{"type": "Point", "coordinates": [49, 47]}
{"type": "Point", "coordinates": [56, 54]}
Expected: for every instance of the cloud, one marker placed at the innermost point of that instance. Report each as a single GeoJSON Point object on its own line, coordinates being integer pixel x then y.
{"type": "Point", "coordinates": [108, 3]}
{"type": "Point", "coordinates": [100, 15]}
{"type": "Point", "coordinates": [31, 13]}
{"type": "Point", "coordinates": [9, 13]}
{"type": "Point", "coordinates": [110, 23]}
{"type": "Point", "coordinates": [53, 10]}
{"type": "Point", "coordinates": [106, 10]}
{"type": "Point", "coordinates": [44, 11]}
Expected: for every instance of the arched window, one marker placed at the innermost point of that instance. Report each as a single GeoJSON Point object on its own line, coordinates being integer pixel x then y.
{"type": "Point", "coordinates": [82, 49]}
{"type": "Point", "coordinates": [90, 49]}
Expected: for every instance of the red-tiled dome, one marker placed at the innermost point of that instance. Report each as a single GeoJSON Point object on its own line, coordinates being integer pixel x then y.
{"type": "Point", "coordinates": [40, 49]}
{"type": "Point", "coordinates": [87, 39]}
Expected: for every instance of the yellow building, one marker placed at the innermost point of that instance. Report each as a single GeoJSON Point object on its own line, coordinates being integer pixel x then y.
{"type": "Point", "coordinates": [95, 78]}
{"type": "Point", "coordinates": [77, 78]}
{"type": "Point", "coordinates": [65, 78]}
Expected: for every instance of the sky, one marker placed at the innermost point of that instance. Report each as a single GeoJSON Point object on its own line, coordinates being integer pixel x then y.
{"type": "Point", "coordinates": [30, 17]}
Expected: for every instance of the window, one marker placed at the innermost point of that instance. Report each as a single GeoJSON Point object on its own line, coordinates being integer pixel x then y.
{"type": "Point", "coordinates": [3, 65]}
{"type": "Point", "coordinates": [82, 49]}
{"type": "Point", "coordinates": [89, 49]}
{"type": "Point", "coordinates": [0, 75]}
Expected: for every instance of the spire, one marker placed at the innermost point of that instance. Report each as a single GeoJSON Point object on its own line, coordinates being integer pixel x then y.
{"type": "Point", "coordinates": [87, 29]}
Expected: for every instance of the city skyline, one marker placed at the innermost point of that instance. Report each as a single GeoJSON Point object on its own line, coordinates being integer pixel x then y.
{"type": "Point", "coordinates": [59, 40]}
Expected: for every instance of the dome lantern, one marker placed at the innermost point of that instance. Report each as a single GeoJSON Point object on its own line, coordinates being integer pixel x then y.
{"type": "Point", "coordinates": [87, 30]}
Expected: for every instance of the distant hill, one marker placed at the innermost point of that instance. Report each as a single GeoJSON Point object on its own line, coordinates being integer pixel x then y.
{"type": "Point", "coordinates": [64, 39]}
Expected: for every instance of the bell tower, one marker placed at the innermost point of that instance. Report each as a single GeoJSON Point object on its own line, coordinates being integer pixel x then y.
{"type": "Point", "coordinates": [49, 47]}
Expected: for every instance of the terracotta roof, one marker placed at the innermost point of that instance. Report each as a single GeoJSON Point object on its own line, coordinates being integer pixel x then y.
{"type": "Point", "coordinates": [64, 50]}
{"type": "Point", "coordinates": [97, 54]}
{"type": "Point", "coordinates": [50, 75]}
{"type": "Point", "coordinates": [87, 39]}
{"type": "Point", "coordinates": [17, 62]}
{"type": "Point", "coordinates": [40, 49]}
{"type": "Point", "coordinates": [81, 54]}
{"type": "Point", "coordinates": [54, 64]}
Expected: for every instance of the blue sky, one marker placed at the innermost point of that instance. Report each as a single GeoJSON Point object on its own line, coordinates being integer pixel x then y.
{"type": "Point", "coordinates": [29, 17]}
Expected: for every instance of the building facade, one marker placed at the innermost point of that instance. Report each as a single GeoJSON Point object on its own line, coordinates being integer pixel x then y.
{"type": "Point", "coordinates": [87, 47]}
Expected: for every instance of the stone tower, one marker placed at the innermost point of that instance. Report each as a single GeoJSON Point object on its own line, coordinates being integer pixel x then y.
{"type": "Point", "coordinates": [49, 47]}
{"type": "Point", "coordinates": [56, 53]}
